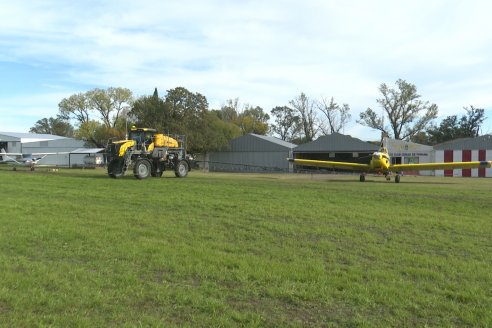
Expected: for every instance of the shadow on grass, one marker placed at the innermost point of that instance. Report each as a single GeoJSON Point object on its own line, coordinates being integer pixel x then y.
{"type": "Point", "coordinates": [381, 181]}
{"type": "Point", "coordinates": [102, 174]}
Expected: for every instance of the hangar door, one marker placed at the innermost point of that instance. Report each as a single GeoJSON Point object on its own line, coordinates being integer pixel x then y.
{"type": "Point", "coordinates": [448, 157]}
{"type": "Point", "coordinates": [467, 156]}
{"type": "Point", "coordinates": [481, 157]}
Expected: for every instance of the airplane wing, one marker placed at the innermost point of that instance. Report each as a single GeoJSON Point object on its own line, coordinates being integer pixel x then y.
{"type": "Point", "coordinates": [23, 158]}
{"type": "Point", "coordinates": [10, 154]}
{"type": "Point", "coordinates": [439, 166]}
{"type": "Point", "coordinates": [9, 157]}
{"type": "Point", "coordinates": [39, 156]}
{"type": "Point", "coordinates": [332, 165]}
{"type": "Point", "coordinates": [46, 154]}
{"type": "Point", "coordinates": [33, 154]}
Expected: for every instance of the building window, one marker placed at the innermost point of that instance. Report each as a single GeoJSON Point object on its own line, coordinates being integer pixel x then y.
{"type": "Point", "coordinates": [411, 160]}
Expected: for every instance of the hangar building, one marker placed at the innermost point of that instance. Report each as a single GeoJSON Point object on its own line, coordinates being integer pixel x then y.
{"type": "Point", "coordinates": [28, 143]}
{"type": "Point", "coordinates": [464, 150]}
{"type": "Point", "coordinates": [252, 153]}
{"type": "Point", "coordinates": [337, 147]}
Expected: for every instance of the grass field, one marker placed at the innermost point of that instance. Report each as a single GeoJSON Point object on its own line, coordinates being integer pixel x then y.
{"type": "Point", "coordinates": [80, 249]}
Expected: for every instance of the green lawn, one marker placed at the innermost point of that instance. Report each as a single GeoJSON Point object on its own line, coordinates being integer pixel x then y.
{"type": "Point", "coordinates": [80, 249]}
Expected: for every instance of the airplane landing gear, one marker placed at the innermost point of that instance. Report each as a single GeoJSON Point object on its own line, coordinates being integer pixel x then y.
{"type": "Point", "coordinates": [397, 178]}
{"type": "Point", "coordinates": [362, 178]}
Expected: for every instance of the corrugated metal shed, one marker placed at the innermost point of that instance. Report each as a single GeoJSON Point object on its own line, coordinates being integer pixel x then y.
{"type": "Point", "coordinates": [465, 149]}
{"type": "Point", "coordinates": [6, 137]}
{"type": "Point", "coordinates": [27, 137]}
{"type": "Point", "coordinates": [55, 145]}
{"type": "Point", "coordinates": [253, 153]}
{"type": "Point", "coordinates": [336, 142]}
{"type": "Point", "coordinates": [86, 157]}
{"type": "Point", "coordinates": [259, 143]}
{"type": "Point", "coordinates": [481, 142]}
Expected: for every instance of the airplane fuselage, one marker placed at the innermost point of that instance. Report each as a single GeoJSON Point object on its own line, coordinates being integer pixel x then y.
{"type": "Point", "coordinates": [25, 160]}
{"type": "Point", "coordinates": [380, 161]}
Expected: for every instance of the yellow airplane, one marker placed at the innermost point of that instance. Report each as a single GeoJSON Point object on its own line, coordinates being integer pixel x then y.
{"type": "Point", "coordinates": [381, 164]}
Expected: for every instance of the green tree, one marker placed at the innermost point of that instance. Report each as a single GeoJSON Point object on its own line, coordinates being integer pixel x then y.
{"type": "Point", "coordinates": [286, 122]}
{"type": "Point", "coordinates": [471, 123]}
{"type": "Point", "coordinates": [185, 104]}
{"type": "Point", "coordinates": [150, 111]}
{"type": "Point", "coordinates": [186, 112]}
{"type": "Point", "coordinates": [422, 137]}
{"type": "Point", "coordinates": [97, 134]}
{"type": "Point", "coordinates": [230, 111]}
{"type": "Point", "coordinates": [406, 113]}
{"type": "Point", "coordinates": [56, 126]}
{"type": "Point", "coordinates": [110, 103]}
{"type": "Point", "coordinates": [249, 119]}
{"type": "Point", "coordinates": [452, 127]}
{"type": "Point", "coordinates": [253, 120]}
{"type": "Point", "coordinates": [215, 133]}
{"type": "Point", "coordinates": [75, 107]}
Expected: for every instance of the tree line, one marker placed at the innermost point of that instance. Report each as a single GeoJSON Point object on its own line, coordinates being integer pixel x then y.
{"type": "Point", "coordinates": [101, 114]}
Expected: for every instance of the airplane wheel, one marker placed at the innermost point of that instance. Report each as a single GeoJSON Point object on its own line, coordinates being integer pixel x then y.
{"type": "Point", "coordinates": [362, 178]}
{"type": "Point", "coordinates": [397, 178]}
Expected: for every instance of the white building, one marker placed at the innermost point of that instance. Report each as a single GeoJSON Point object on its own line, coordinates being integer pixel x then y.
{"type": "Point", "coordinates": [405, 152]}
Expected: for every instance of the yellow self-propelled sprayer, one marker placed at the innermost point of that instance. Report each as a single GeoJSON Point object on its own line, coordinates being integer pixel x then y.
{"type": "Point", "coordinates": [149, 153]}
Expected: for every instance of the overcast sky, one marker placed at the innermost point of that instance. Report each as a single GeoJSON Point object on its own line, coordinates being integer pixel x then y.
{"type": "Point", "coordinates": [263, 52]}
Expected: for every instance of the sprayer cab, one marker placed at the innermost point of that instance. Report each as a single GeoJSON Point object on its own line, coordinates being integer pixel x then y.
{"type": "Point", "coordinates": [141, 136]}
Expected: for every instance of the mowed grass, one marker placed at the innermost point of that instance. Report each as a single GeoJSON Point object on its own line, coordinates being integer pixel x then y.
{"type": "Point", "coordinates": [80, 249]}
